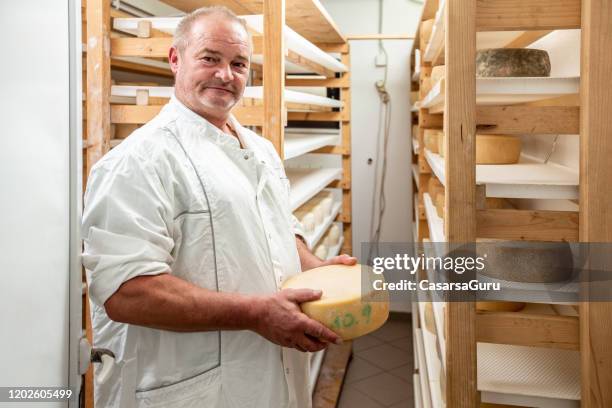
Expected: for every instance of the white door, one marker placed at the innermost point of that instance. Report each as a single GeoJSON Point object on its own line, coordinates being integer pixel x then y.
{"type": "Point", "coordinates": [40, 167]}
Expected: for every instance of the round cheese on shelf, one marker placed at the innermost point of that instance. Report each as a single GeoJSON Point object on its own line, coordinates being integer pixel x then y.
{"type": "Point", "coordinates": [349, 304]}
{"type": "Point", "coordinates": [334, 233]}
{"type": "Point", "coordinates": [316, 210]}
{"type": "Point", "coordinates": [497, 149]}
{"type": "Point", "coordinates": [437, 73]}
{"type": "Point", "coordinates": [321, 251]}
{"type": "Point", "coordinates": [512, 62]}
{"type": "Point", "coordinates": [306, 218]}
{"type": "Point", "coordinates": [326, 205]}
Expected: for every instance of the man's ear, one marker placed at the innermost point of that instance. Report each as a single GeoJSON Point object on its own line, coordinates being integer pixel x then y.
{"type": "Point", "coordinates": [173, 59]}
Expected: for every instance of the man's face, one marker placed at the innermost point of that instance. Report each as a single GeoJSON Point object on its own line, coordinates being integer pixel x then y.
{"type": "Point", "coordinates": [212, 70]}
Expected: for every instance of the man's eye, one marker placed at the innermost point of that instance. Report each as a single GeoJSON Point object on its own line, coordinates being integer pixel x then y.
{"type": "Point", "coordinates": [240, 64]}
{"type": "Point", "coordinates": [209, 59]}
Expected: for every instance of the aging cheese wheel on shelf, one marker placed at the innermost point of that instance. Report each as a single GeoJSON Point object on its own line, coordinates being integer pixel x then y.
{"type": "Point", "coordinates": [437, 73]}
{"type": "Point", "coordinates": [431, 139]}
{"type": "Point", "coordinates": [321, 251]}
{"type": "Point", "coordinates": [526, 261]}
{"type": "Point", "coordinates": [317, 211]}
{"type": "Point", "coordinates": [347, 307]}
{"type": "Point", "coordinates": [425, 33]}
{"type": "Point", "coordinates": [512, 62]}
{"type": "Point", "coordinates": [334, 234]}
{"type": "Point", "coordinates": [497, 149]}
{"type": "Point", "coordinates": [306, 218]}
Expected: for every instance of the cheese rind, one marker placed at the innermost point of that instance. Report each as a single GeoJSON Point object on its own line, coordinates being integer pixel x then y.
{"type": "Point", "coordinates": [344, 307]}
{"type": "Point", "coordinates": [497, 149]}
{"type": "Point", "coordinates": [512, 62]}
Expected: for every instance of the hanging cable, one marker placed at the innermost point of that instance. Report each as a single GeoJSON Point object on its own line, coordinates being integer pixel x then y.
{"type": "Point", "coordinates": [384, 127]}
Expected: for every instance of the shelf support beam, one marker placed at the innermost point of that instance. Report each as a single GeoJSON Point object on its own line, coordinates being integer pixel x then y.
{"type": "Point", "coordinates": [595, 193]}
{"type": "Point", "coordinates": [519, 15]}
{"type": "Point", "coordinates": [520, 120]}
{"type": "Point", "coordinates": [460, 203]}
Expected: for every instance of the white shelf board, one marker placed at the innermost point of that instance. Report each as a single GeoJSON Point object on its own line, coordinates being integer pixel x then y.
{"type": "Point", "coordinates": [415, 174]}
{"type": "Point", "coordinates": [305, 183]}
{"type": "Point", "coordinates": [414, 108]}
{"type": "Point", "coordinates": [434, 365]}
{"type": "Point", "coordinates": [335, 250]}
{"type": "Point", "coordinates": [316, 361]}
{"type": "Point", "coordinates": [436, 38]}
{"type": "Point", "coordinates": [416, 383]}
{"type": "Point", "coordinates": [435, 223]}
{"type": "Point", "coordinates": [298, 143]}
{"type": "Point", "coordinates": [508, 90]}
{"type": "Point", "coordinates": [423, 374]}
{"type": "Point", "coordinates": [527, 179]}
{"type": "Point", "coordinates": [293, 41]}
{"type": "Point", "coordinates": [253, 92]}
{"type": "Point", "coordinates": [546, 377]}
{"type": "Point", "coordinates": [320, 230]}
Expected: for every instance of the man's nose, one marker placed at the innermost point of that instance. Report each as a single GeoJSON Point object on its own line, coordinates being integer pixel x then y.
{"type": "Point", "coordinates": [224, 73]}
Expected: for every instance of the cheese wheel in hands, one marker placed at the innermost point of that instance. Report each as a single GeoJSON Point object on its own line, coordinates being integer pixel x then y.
{"type": "Point", "coordinates": [343, 307]}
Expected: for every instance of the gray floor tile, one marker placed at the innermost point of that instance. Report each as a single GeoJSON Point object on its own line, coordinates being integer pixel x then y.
{"type": "Point", "coordinates": [404, 344]}
{"type": "Point", "coordinates": [393, 330]}
{"type": "Point", "coordinates": [387, 357]}
{"type": "Point", "coordinates": [385, 389]}
{"type": "Point", "coordinates": [404, 404]}
{"type": "Point", "coordinates": [404, 372]}
{"type": "Point", "coordinates": [353, 398]}
{"type": "Point", "coordinates": [365, 342]}
{"type": "Point", "coordinates": [359, 369]}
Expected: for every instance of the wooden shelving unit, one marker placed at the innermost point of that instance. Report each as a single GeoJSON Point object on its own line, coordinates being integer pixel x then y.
{"type": "Point", "coordinates": [296, 44]}
{"type": "Point", "coordinates": [552, 353]}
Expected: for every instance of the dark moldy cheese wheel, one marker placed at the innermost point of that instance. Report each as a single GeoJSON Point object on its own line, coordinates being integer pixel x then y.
{"type": "Point", "coordinates": [512, 62]}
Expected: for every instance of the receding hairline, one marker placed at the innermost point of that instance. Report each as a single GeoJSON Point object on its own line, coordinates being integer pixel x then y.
{"type": "Point", "coordinates": [185, 26]}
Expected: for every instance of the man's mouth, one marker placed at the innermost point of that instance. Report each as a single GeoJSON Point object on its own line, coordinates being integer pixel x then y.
{"type": "Point", "coordinates": [220, 89]}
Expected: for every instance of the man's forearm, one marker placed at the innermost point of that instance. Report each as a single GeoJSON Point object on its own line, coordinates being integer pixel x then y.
{"type": "Point", "coordinates": [308, 260]}
{"type": "Point", "coordinates": [169, 303]}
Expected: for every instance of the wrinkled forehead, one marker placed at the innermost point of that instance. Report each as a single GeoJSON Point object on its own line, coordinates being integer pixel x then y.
{"type": "Point", "coordinates": [221, 33]}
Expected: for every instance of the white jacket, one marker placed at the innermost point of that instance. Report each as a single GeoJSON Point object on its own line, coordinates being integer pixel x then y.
{"type": "Point", "coordinates": [179, 196]}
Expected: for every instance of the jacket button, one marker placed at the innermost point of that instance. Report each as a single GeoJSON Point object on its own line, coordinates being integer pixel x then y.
{"type": "Point", "coordinates": [246, 157]}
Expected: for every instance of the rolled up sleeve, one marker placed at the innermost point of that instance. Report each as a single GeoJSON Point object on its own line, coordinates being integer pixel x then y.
{"type": "Point", "coordinates": [126, 225]}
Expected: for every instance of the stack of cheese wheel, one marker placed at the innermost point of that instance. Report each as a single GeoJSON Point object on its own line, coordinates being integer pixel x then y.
{"type": "Point", "coordinates": [497, 149]}
{"type": "Point", "coordinates": [437, 73]}
{"type": "Point", "coordinates": [321, 251]}
{"type": "Point", "coordinates": [306, 218]}
{"type": "Point", "coordinates": [349, 304]}
{"type": "Point", "coordinates": [431, 138]}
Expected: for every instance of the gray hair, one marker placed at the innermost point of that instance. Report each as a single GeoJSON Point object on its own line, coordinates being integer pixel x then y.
{"type": "Point", "coordinates": [183, 29]}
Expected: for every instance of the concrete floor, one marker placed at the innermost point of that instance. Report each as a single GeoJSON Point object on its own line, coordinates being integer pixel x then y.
{"type": "Point", "coordinates": [380, 372]}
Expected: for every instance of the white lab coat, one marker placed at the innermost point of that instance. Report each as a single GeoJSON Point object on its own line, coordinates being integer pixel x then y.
{"type": "Point", "coordinates": [179, 196]}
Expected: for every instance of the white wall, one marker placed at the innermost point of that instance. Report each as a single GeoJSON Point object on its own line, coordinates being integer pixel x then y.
{"type": "Point", "coordinates": [361, 17]}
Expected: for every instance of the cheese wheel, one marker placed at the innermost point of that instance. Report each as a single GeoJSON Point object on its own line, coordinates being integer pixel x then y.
{"type": "Point", "coordinates": [321, 251]}
{"type": "Point", "coordinates": [497, 149]}
{"type": "Point", "coordinates": [316, 210]}
{"type": "Point", "coordinates": [430, 138]}
{"type": "Point", "coordinates": [500, 306]}
{"type": "Point", "coordinates": [437, 73]}
{"type": "Point", "coordinates": [307, 220]}
{"type": "Point", "coordinates": [512, 62]}
{"type": "Point", "coordinates": [334, 233]}
{"type": "Point", "coordinates": [349, 305]}
{"type": "Point", "coordinates": [326, 205]}
{"type": "Point", "coordinates": [425, 33]}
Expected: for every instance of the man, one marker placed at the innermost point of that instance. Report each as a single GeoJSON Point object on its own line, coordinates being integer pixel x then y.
{"type": "Point", "coordinates": [188, 236]}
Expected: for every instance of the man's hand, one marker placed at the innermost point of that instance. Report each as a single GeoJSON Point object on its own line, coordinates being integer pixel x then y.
{"type": "Point", "coordinates": [280, 320]}
{"type": "Point", "coordinates": [343, 259]}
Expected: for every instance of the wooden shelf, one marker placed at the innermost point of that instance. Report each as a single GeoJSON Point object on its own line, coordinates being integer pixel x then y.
{"type": "Point", "coordinates": [307, 17]}
{"type": "Point", "coordinates": [302, 141]}
{"type": "Point", "coordinates": [507, 91]}
{"type": "Point", "coordinates": [415, 174]}
{"type": "Point", "coordinates": [306, 183]}
{"type": "Point", "coordinates": [435, 223]}
{"type": "Point", "coordinates": [302, 55]}
{"type": "Point", "coordinates": [527, 179]}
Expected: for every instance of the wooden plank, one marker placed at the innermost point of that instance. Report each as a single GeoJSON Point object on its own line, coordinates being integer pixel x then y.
{"type": "Point", "coordinates": [134, 114]}
{"type": "Point", "coordinates": [309, 65]}
{"type": "Point", "coordinates": [430, 120]}
{"type": "Point", "coordinates": [156, 47]}
{"type": "Point", "coordinates": [307, 17]}
{"type": "Point", "coordinates": [135, 67]}
{"type": "Point", "coordinates": [528, 329]}
{"type": "Point", "coordinates": [519, 15]}
{"type": "Point", "coordinates": [460, 207]}
{"type": "Point", "coordinates": [527, 38]}
{"type": "Point", "coordinates": [595, 193]}
{"type": "Point", "coordinates": [274, 74]}
{"type": "Point", "coordinates": [333, 47]}
{"type": "Point", "coordinates": [333, 150]}
{"type": "Point", "coordinates": [329, 384]}
{"type": "Point", "coordinates": [519, 120]}
{"type": "Point", "coordinates": [98, 81]}
{"type": "Point", "coordinates": [527, 225]}
{"type": "Point", "coordinates": [341, 82]}
{"type": "Point", "coordinates": [317, 116]}
{"type": "Point", "coordinates": [369, 37]}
